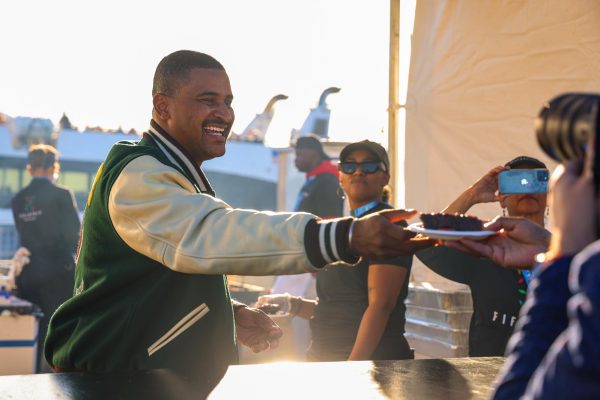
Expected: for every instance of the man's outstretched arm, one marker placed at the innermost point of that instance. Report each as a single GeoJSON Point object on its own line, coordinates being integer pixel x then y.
{"type": "Point", "coordinates": [157, 212]}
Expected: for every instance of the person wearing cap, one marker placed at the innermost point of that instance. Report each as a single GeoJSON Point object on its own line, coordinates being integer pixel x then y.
{"type": "Point", "coordinates": [497, 292]}
{"type": "Point", "coordinates": [360, 312]}
{"type": "Point", "coordinates": [47, 222]}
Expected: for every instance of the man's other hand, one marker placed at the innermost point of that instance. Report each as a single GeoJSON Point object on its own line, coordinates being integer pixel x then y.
{"type": "Point", "coordinates": [256, 330]}
{"type": "Point", "coordinates": [377, 235]}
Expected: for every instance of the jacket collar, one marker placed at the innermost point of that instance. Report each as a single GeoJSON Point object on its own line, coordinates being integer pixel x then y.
{"type": "Point", "coordinates": [179, 156]}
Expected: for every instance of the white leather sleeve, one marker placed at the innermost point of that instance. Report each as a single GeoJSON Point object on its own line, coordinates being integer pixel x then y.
{"type": "Point", "coordinates": [157, 212]}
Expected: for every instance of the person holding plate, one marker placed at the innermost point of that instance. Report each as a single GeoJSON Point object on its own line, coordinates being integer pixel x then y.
{"type": "Point", "coordinates": [157, 243]}
{"type": "Point", "coordinates": [360, 311]}
{"type": "Point", "coordinates": [497, 292]}
{"type": "Point", "coordinates": [554, 350]}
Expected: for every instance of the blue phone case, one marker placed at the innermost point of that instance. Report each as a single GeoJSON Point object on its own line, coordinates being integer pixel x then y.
{"type": "Point", "coordinates": [522, 181]}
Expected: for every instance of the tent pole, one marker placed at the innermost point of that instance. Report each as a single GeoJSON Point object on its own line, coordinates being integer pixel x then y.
{"type": "Point", "coordinates": [393, 105]}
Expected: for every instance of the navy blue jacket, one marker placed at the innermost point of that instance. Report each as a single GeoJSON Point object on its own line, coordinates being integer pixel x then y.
{"type": "Point", "coordinates": [555, 351]}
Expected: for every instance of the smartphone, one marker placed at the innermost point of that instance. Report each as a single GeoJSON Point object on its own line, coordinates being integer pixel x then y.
{"type": "Point", "coordinates": [520, 181]}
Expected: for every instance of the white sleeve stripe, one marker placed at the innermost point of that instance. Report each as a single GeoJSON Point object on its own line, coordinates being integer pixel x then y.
{"type": "Point", "coordinates": [332, 233]}
{"type": "Point", "coordinates": [322, 244]}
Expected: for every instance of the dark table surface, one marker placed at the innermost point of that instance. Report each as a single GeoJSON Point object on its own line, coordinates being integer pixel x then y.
{"type": "Point", "coordinates": [457, 378]}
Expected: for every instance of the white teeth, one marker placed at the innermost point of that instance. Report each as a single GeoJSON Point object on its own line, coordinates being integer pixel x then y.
{"type": "Point", "coordinates": [213, 130]}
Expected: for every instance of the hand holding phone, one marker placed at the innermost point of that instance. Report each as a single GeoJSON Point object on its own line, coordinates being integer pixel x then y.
{"type": "Point", "coordinates": [523, 181]}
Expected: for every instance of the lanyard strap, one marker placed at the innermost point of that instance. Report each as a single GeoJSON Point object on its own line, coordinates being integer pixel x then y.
{"type": "Point", "coordinates": [362, 210]}
{"type": "Point", "coordinates": [526, 275]}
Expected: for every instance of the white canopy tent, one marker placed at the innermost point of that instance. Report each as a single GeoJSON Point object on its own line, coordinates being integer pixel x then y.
{"type": "Point", "coordinates": [479, 73]}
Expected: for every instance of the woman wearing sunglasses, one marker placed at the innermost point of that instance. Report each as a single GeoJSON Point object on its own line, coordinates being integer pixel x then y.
{"type": "Point", "coordinates": [359, 314]}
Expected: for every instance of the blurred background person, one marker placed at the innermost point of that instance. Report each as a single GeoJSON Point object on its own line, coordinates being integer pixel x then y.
{"type": "Point", "coordinates": [47, 221]}
{"type": "Point", "coordinates": [320, 195]}
{"type": "Point", "coordinates": [360, 311]}
{"type": "Point", "coordinates": [497, 293]}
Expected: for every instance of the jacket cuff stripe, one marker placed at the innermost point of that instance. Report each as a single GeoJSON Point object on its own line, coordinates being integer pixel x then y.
{"type": "Point", "coordinates": [326, 241]}
{"type": "Point", "coordinates": [332, 240]}
{"type": "Point", "coordinates": [311, 244]}
{"type": "Point", "coordinates": [322, 242]}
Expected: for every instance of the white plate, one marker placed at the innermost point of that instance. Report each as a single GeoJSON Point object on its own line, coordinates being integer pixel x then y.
{"type": "Point", "coordinates": [443, 234]}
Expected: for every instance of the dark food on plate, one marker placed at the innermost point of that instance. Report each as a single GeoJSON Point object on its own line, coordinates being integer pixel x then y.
{"type": "Point", "coordinates": [455, 222]}
{"type": "Point", "coordinates": [269, 308]}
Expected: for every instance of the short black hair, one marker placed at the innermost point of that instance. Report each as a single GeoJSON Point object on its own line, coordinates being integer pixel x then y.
{"type": "Point", "coordinates": [525, 161]}
{"type": "Point", "coordinates": [174, 68]}
{"type": "Point", "coordinates": [311, 141]}
{"type": "Point", "coordinates": [42, 156]}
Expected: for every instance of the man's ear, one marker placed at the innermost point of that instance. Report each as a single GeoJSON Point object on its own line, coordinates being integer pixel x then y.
{"type": "Point", "coordinates": [161, 106]}
{"type": "Point", "coordinates": [51, 172]}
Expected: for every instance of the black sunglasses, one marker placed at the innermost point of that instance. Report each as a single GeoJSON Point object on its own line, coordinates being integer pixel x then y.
{"type": "Point", "coordinates": [369, 167]}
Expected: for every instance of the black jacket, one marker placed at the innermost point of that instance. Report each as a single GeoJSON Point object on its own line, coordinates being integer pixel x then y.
{"type": "Point", "coordinates": [46, 219]}
{"type": "Point", "coordinates": [555, 350]}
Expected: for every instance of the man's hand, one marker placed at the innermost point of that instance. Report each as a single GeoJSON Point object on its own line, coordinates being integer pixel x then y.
{"type": "Point", "coordinates": [256, 330]}
{"type": "Point", "coordinates": [516, 244]}
{"type": "Point", "coordinates": [377, 236]}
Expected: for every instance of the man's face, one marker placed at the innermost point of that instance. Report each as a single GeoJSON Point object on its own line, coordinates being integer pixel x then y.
{"type": "Point", "coordinates": [305, 159]}
{"type": "Point", "coordinates": [199, 114]}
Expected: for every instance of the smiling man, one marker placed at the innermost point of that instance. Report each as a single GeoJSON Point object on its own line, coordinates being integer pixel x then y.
{"type": "Point", "coordinates": [150, 285]}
